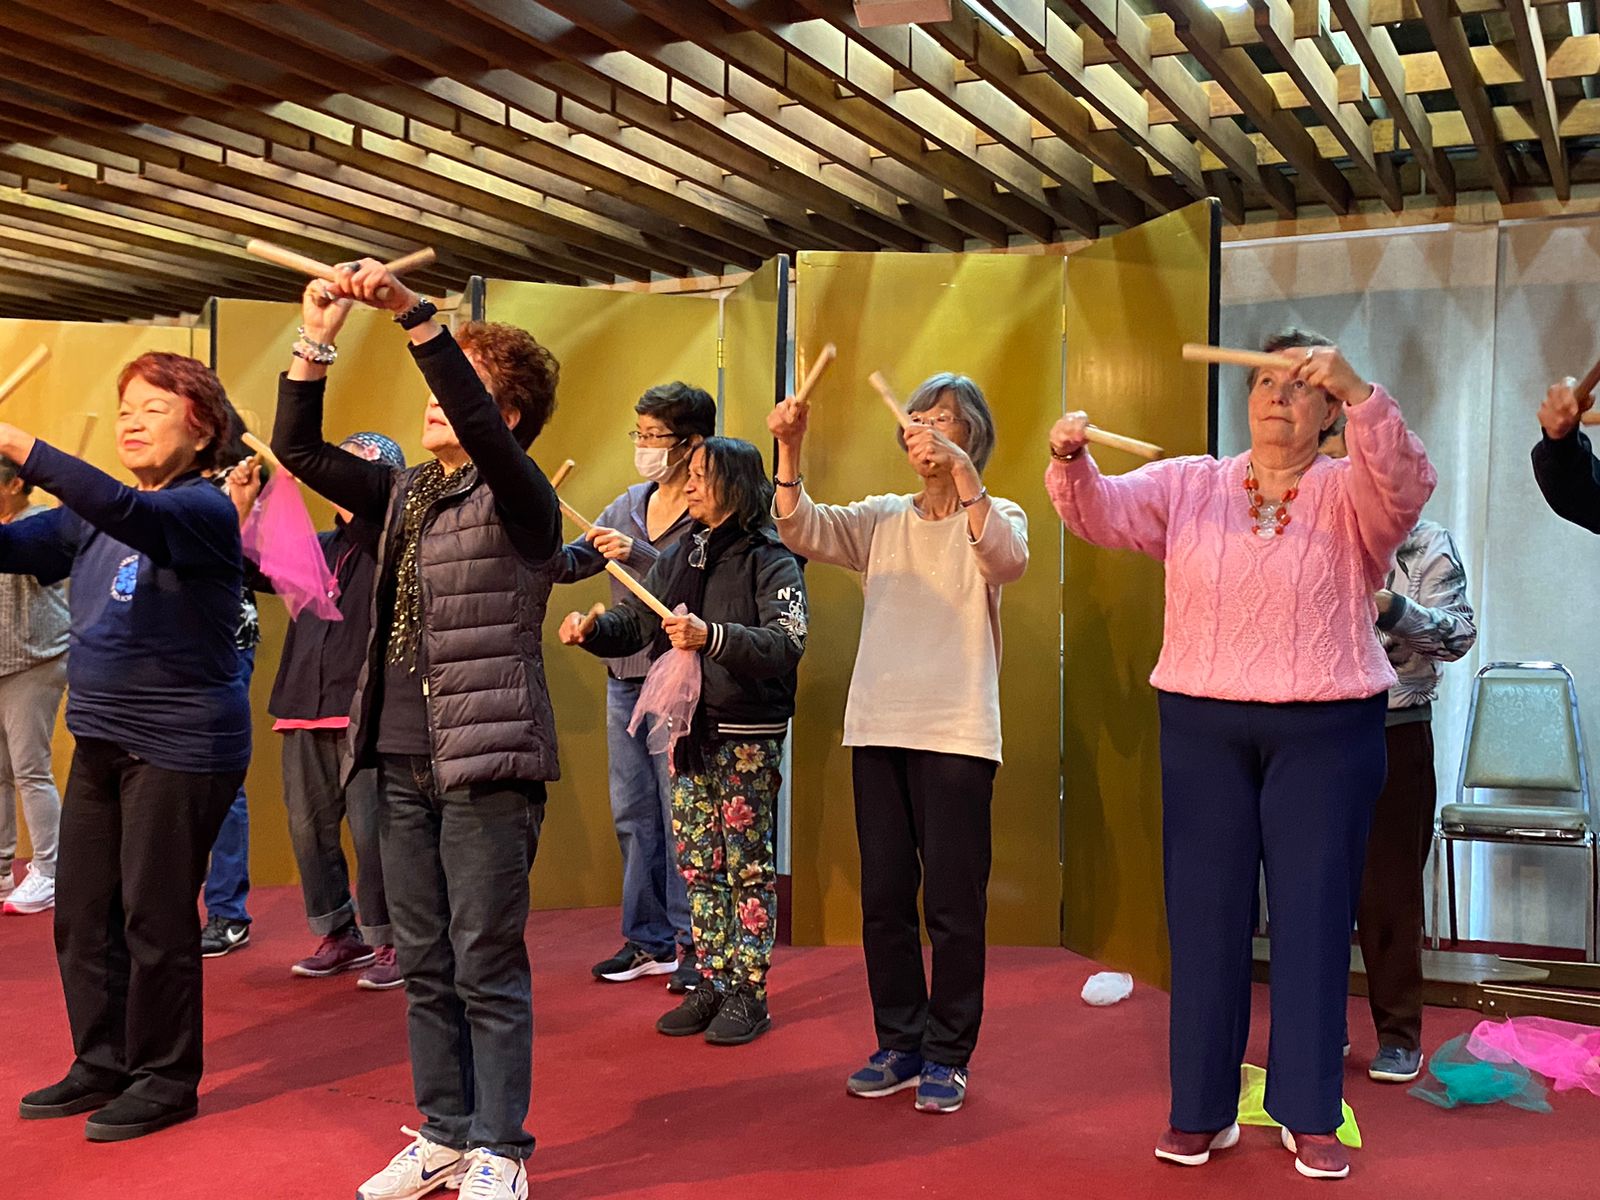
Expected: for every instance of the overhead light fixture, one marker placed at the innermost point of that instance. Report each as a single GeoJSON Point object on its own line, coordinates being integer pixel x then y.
{"type": "Point", "coordinates": [873, 14]}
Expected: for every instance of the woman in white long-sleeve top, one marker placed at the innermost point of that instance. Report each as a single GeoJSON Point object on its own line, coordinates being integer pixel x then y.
{"type": "Point", "coordinates": [933, 563]}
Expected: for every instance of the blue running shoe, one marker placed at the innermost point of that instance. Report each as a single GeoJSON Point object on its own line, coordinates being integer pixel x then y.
{"type": "Point", "coordinates": [886, 1072]}
{"type": "Point", "coordinates": [943, 1089]}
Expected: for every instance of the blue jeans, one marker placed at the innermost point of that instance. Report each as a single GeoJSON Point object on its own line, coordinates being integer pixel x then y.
{"type": "Point", "coordinates": [455, 865]}
{"type": "Point", "coordinates": [228, 880]}
{"type": "Point", "coordinates": [655, 901]}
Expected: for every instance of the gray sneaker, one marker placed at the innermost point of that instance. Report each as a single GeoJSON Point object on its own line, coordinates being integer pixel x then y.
{"type": "Point", "coordinates": [1395, 1064]}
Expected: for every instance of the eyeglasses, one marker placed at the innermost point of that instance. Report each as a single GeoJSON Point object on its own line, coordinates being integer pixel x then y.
{"type": "Point", "coordinates": [942, 421]}
{"type": "Point", "coordinates": [652, 439]}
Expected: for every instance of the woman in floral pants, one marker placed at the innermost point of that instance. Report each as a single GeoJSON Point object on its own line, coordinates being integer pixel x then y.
{"type": "Point", "coordinates": [745, 603]}
{"type": "Point", "coordinates": [723, 820]}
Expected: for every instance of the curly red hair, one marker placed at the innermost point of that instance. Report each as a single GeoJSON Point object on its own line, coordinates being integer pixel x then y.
{"type": "Point", "coordinates": [209, 414]}
{"type": "Point", "coordinates": [522, 374]}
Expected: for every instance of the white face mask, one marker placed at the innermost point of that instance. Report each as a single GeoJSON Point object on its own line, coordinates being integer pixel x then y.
{"type": "Point", "coordinates": [654, 462]}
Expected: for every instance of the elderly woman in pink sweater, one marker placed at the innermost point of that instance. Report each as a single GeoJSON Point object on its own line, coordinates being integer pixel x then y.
{"type": "Point", "coordinates": [1272, 691]}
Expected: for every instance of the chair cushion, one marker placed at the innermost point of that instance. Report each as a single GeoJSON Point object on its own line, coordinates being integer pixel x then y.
{"type": "Point", "coordinates": [1510, 820]}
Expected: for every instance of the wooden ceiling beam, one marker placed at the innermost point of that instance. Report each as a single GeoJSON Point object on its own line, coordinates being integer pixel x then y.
{"type": "Point", "coordinates": [1375, 48]}
{"type": "Point", "coordinates": [1200, 30]}
{"type": "Point", "coordinates": [1450, 41]}
{"type": "Point", "coordinates": [1302, 60]}
{"type": "Point", "coordinates": [1530, 50]}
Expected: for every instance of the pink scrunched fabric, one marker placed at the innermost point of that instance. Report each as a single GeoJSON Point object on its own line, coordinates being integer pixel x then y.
{"type": "Point", "coordinates": [279, 538]}
{"type": "Point", "coordinates": [1568, 1053]}
{"type": "Point", "coordinates": [670, 693]}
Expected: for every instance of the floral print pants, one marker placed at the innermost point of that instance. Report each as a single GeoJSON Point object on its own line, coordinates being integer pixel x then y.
{"type": "Point", "coordinates": [722, 821]}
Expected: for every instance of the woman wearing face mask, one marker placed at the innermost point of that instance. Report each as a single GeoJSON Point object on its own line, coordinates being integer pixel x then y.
{"type": "Point", "coordinates": [1272, 687]}
{"type": "Point", "coordinates": [746, 619]}
{"type": "Point", "coordinates": [932, 561]}
{"type": "Point", "coordinates": [636, 529]}
{"type": "Point", "coordinates": [158, 705]}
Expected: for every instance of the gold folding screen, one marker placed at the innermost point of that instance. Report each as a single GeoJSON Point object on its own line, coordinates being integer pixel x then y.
{"type": "Point", "coordinates": [996, 318]}
{"type": "Point", "coordinates": [1132, 301]}
{"type": "Point", "coordinates": [80, 379]}
{"type": "Point", "coordinates": [612, 346]}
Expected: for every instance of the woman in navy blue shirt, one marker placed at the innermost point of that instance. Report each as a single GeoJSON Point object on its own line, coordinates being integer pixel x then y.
{"type": "Point", "coordinates": [158, 705]}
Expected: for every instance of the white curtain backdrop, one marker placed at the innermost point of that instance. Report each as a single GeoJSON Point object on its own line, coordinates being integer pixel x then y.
{"type": "Point", "coordinates": [1465, 326]}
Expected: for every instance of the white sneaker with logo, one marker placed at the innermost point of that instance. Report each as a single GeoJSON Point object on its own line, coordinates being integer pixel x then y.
{"type": "Point", "coordinates": [417, 1170]}
{"type": "Point", "coordinates": [35, 894]}
{"type": "Point", "coordinates": [493, 1176]}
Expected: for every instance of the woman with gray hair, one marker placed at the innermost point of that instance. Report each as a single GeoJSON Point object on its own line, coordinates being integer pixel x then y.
{"type": "Point", "coordinates": [933, 561]}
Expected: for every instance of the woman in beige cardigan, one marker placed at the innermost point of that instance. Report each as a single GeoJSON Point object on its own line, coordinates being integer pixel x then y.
{"type": "Point", "coordinates": [934, 562]}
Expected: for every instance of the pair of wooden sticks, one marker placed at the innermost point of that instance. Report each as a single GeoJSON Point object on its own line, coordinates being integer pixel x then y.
{"type": "Point", "coordinates": [1258, 359]}
{"type": "Point", "coordinates": [320, 270]}
{"type": "Point", "coordinates": [1101, 437]}
{"type": "Point", "coordinates": [614, 569]}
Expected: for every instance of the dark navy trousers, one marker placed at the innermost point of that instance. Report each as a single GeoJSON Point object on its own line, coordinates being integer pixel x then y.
{"type": "Point", "coordinates": [1292, 786]}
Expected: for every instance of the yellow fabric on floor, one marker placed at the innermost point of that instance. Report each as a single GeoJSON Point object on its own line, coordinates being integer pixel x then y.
{"type": "Point", "coordinates": [1253, 1111]}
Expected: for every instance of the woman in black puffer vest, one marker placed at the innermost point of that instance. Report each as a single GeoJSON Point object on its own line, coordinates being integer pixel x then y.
{"type": "Point", "coordinates": [746, 602]}
{"type": "Point", "coordinates": [452, 709]}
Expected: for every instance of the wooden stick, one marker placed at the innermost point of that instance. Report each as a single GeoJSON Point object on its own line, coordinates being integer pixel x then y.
{"type": "Point", "coordinates": [1197, 352]}
{"type": "Point", "coordinates": [561, 473]}
{"type": "Point", "coordinates": [90, 420]}
{"type": "Point", "coordinates": [586, 626]}
{"type": "Point", "coordinates": [413, 261]}
{"type": "Point", "coordinates": [817, 368]}
{"type": "Point", "coordinates": [1590, 381]}
{"type": "Point", "coordinates": [615, 569]}
{"type": "Point", "coordinates": [1592, 417]}
{"type": "Point", "coordinates": [264, 450]}
{"type": "Point", "coordinates": [274, 253]}
{"type": "Point", "coordinates": [35, 360]}
{"type": "Point", "coordinates": [877, 380]}
{"type": "Point", "coordinates": [1102, 437]}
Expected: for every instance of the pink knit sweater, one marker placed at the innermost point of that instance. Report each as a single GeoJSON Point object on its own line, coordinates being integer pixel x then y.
{"type": "Point", "coordinates": [1265, 619]}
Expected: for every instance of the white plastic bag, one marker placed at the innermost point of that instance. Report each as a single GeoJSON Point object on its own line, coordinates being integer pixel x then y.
{"type": "Point", "coordinates": [1107, 987]}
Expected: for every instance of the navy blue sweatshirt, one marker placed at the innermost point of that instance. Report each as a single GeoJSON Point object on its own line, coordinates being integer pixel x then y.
{"type": "Point", "coordinates": [153, 665]}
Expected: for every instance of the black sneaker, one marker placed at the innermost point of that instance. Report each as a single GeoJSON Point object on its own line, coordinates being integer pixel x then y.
{"type": "Point", "coordinates": [222, 936]}
{"type": "Point", "coordinates": [696, 1012]}
{"type": "Point", "coordinates": [65, 1099]}
{"type": "Point", "coordinates": [632, 961]}
{"type": "Point", "coordinates": [742, 1018]}
{"type": "Point", "coordinates": [129, 1117]}
{"type": "Point", "coordinates": [687, 977]}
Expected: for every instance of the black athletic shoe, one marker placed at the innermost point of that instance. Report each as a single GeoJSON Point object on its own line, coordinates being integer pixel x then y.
{"type": "Point", "coordinates": [65, 1099]}
{"type": "Point", "coordinates": [686, 978]}
{"type": "Point", "coordinates": [742, 1018]}
{"type": "Point", "coordinates": [222, 936]}
{"type": "Point", "coordinates": [633, 961]}
{"type": "Point", "coordinates": [129, 1117]}
{"type": "Point", "coordinates": [693, 1015]}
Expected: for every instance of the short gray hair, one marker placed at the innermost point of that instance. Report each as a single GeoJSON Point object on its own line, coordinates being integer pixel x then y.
{"type": "Point", "coordinates": [970, 406]}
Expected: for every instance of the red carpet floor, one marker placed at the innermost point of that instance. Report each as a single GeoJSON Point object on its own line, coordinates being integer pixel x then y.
{"type": "Point", "coordinates": [307, 1087]}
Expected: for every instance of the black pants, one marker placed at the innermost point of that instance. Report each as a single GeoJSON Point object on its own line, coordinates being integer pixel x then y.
{"type": "Point", "coordinates": [134, 843]}
{"type": "Point", "coordinates": [1389, 919]}
{"type": "Point", "coordinates": [318, 803]}
{"type": "Point", "coordinates": [456, 866]}
{"type": "Point", "coordinates": [1290, 786]}
{"type": "Point", "coordinates": [923, 819]}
